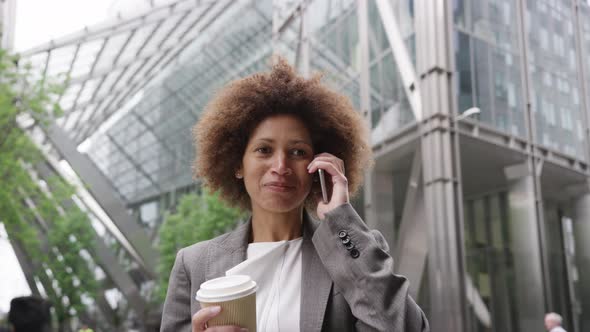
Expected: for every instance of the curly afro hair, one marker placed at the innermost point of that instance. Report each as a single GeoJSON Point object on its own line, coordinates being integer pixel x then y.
{"type": "Point", "coordinates": [222, 132]}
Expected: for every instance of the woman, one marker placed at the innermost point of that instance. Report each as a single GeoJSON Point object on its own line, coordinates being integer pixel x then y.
{"type": "Point", "coordinates": [260, 143]}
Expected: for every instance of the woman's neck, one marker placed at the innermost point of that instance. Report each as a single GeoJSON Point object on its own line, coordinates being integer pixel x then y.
{"type": "Point", "coordinates": [270, 226]}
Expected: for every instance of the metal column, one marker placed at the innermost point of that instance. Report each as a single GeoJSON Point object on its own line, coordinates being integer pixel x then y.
{"type": "Point", "coordinates": [581, 232]}
{"type": "Point", "coordinates": [369, 208]}
{"type": "Point", "coordinates": [441, 165]}
{"type": "Point", "coordinates": [524, 233]}
{"type": "Point", "coordinates": [105, 195]}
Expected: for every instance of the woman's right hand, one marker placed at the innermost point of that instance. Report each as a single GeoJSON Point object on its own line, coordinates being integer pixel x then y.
{"type": "Point", "coordinates": [202, 316]}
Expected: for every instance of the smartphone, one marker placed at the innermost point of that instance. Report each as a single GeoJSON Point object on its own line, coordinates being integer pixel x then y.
{"type": "Point", "coordinates": [323, 185]}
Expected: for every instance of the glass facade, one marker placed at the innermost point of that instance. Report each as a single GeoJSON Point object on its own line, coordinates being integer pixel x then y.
{"type": "Point", "coordinates": [553, 69]}
{"type": "Point", "coordinates": [490, 264]}
{"type": "Point", "coordinates": [389, 103]}
{"type": "Point", "coordinates": [149, 150]}
{"type": "Point", "coordinates": [559, 233]}
{"type": "Point", "coordinates": [487, 57]}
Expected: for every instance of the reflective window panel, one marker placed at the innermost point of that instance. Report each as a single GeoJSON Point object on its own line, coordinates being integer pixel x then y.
{"type": "Point", "coordinates": [487, 57]}
{"type": "Point", "coordinates": [555, 88]}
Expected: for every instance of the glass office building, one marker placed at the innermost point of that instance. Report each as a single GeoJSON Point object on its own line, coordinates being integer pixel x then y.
{"type": "Point", "coordinates": [486, 214]}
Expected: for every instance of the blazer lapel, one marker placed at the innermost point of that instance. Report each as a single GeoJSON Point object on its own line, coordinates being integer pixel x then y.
{"type": "Point", "coordinates": [315, 281]}
{"type": "Point", "coordinates": [316, 284]}
{"type": "Point", "coordinates": [228, 252]}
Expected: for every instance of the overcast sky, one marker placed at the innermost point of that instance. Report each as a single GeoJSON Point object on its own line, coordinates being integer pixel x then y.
{"type": "Point", "coordinates": [38, 21]}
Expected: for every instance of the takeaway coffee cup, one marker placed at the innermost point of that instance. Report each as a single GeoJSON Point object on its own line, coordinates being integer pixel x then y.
{"type": "Point", "coordinates": [236, 295]}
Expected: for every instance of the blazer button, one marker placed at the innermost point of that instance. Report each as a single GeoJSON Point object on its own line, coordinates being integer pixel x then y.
{"type": "Point", "coordinates": [346, 240]}
{"type": "Point", "coordinates": [342, 234]}
{"type": "Point", "coordinates": [349, 246]}
{"type": "Point", "coordinates": [354, 253]}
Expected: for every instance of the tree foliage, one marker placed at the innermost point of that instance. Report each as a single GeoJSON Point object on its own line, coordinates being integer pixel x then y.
{"type": "Point", "coordinates": [52, 231]}
{"type": "Point", "coordinates": [199, 217]}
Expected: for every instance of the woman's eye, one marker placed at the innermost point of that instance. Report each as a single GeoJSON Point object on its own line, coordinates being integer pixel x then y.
{"type": "Point", "coordinates": [299, 152]}
{"type": "Point", "coordinates": [263, 150]}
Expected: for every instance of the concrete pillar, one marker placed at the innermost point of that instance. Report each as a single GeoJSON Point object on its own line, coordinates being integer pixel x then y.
{"type": "Point", "coordinates": [581, 227]}
{"type": "Point", "coordinates": [524, 242]}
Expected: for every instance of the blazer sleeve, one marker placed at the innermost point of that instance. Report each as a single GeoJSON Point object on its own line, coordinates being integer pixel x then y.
{"type": "Point", "coordinates": [176, 315]}
{"type": "Point", "coordinates": [363, 269]}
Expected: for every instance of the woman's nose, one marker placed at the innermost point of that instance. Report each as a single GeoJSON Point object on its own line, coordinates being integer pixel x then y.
{"type": "Point", "coordinates": [281, 164]}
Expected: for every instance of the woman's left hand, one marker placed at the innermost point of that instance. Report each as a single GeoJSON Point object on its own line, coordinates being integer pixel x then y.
{"type": "Point", "coordinates": [335, 179]}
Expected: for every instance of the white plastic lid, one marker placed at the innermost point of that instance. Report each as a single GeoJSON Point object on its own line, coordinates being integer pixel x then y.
{"type": "Point", "coordinates": [226, 288]}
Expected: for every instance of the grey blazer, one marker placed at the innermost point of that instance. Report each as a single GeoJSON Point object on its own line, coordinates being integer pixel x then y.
{"type": "Point", "coordinates": [342, 289]}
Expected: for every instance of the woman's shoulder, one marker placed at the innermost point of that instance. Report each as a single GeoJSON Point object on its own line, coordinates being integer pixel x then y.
{"type": "Point", "coordinates": [197, 250]}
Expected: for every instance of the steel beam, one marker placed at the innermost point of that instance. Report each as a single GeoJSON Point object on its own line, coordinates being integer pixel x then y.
{"type": "Point", "coordinates": [104, 194]}
{"type": "Point", "coordinates": [40, 271]}
{"type": "Point", "coordinates": [26, 266]}
{"type": "Point", "coordinates": [303, 47]}
{"type": "Point", "coordinates": [105, 258]}
{"type": "Point", "coordinates": [137, 166]}
{"type": "Point", "coordinates": [401, 54]}
{"type": "Point", "coordinates": [412, 242]}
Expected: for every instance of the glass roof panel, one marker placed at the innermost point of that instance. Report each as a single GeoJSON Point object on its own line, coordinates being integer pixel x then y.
{"type": "Point", "coordinates": [177, 33]}
{"type": "Point", "coordinates": [87, 55]}
{"type": "Point", "coordinates": [119, 56]}
{"type": "Point", "coordinates": [69, 97]}
{"type": "Point", "coordinates": [72, 119]}
{"type": "Point", "coordinates": [87, 112]}
{"type": "Point", "coordinates": [112, 48]}
{"type": "Point", "coordinates": [86, 93]}
{"type": "Point", "coordinates": [60, 60]}
{"type": "Point", "coordinates": [109, 80]}
{"type": "Point", "coordinates": [136, 42]}
{"type": "Point", "coordinates": [161, 32]}
{"type": "Point", "coordinates": [37, 60]}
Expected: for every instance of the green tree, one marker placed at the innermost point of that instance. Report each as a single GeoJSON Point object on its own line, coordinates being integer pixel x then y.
{"type": "Point", "coordinates": [199, 217]}
{"type": "Point", "coordinates": [53, 233]}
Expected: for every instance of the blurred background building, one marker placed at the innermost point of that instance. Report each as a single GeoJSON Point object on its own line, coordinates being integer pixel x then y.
{"type": "Point", "coordinates": [487, 212]}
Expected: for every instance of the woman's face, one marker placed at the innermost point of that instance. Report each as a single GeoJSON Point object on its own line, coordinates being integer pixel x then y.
{"type": "Point", "coordinates": [274, 165]}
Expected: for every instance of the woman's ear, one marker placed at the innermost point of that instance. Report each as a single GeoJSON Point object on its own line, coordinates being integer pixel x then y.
{"type": "Point", "coordinates": [239, 173]}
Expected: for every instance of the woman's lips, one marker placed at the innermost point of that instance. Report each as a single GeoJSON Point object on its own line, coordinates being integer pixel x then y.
{"type": "Point", "coordinates": [279, 187]}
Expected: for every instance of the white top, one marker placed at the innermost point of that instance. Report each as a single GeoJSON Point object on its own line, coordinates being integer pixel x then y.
{"type": "Point", "coordinates": [558, 329]}
{"type": "Point", "coordinates": [276, 268]}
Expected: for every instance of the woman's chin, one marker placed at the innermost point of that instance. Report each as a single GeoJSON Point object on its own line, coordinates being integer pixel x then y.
{"type": "Point", "coordinates": [280, 205]}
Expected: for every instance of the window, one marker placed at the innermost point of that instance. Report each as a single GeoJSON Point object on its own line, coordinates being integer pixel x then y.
{"type": "Point", "coordinates": [511, 94]}
{"type": "Point", "coordinates": [558, 44]}
{"type": "Point", "coordinates": [566, 119]}
{"type": "Point", "coordinates": [547, 79]}
{"type": "Point", "coordinates": [506, 12]}
{"type": "Point", "coordinates": [549, 113]}
{"type": "Point", "coordinates": [544, 38]}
